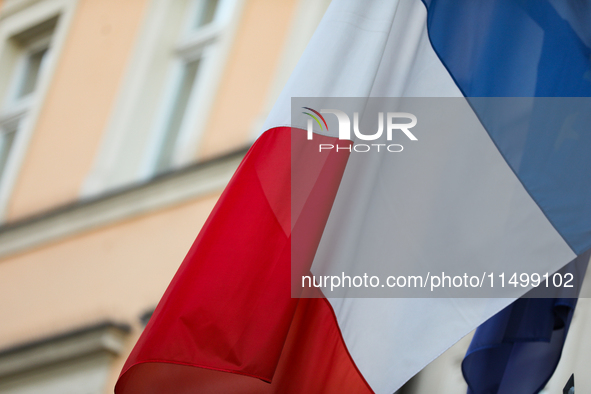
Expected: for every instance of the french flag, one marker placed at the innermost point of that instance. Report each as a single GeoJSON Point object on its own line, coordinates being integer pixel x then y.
{"type": "Point", "coordinates": [500, 195]}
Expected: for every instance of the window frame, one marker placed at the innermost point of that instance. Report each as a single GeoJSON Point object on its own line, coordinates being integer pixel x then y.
{"type": "Point", "coordinates": [203, 44]}
{"type": "Point", "coordinates": [37, 44]}
{"type": "Point", "coordinates": [18, 17]}
{"type": "Point", "coordinates": [129, 148]}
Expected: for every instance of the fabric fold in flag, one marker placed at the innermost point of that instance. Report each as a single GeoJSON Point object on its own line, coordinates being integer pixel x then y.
{"type": "Point", "coordinates": [525, 49]}
{"type": "Point", "coordinates": [229, 307]}
{"type": "Point", "coordinates": [518, 349]}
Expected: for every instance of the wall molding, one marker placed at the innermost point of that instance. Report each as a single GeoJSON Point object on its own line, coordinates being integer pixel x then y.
{"type": "Point", "coordinates": [168, 189]}
{"type": "Point", "coordinates": [105, 337]}
{"type": "Point", "coordinates": [18, 16]}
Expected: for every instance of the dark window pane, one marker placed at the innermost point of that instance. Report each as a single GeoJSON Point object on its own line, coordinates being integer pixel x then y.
{"type": "Point", "coordinates": [177, 115]}
{"type": "Point", "coordinates": [31, 74]}
{"type": "Point", "coordinates": [6, 141]}
{"type": "Point", "coordinates": [206, 12]}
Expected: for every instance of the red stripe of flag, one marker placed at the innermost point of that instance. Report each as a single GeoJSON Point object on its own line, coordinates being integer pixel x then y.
{"type": "Point", "coordinates": [229, 307]}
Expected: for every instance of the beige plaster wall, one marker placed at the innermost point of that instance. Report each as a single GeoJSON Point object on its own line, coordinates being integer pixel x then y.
{"type": "Point", "coordinates": [251, 67]}
{"type": "Point", "coordinates": [116, 273]}
{"type": "Point", "coordinates": [78, 104]}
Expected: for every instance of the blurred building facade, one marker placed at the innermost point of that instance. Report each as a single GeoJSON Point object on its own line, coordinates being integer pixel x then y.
{"type": "Point", "coordinates": [120, 123]}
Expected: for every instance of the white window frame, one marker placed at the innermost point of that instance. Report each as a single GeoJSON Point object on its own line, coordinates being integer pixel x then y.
{"type": "Point", "coordinates": [194, 44]}
{"type": "Point", "coordinates": [16, 109]}
{"type": "Point", "coordinates": [13, 102]}
{"type": "Point", "coordinates": [16, 17]}
{"type": "Point", "coordinates": [110, 170]}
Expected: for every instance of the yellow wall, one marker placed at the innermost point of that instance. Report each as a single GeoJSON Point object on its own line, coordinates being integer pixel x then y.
{"type": "Point", "coordinates": [116, 272]}
{"type": "Point", "coordinates": [78, 104]}
{"type": "Point", "coordinates": [247, 78]}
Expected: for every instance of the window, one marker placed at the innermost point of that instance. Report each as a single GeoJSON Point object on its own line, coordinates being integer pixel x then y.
{"type": "Point", "coordinates": [7, 134]}
{"type": "Point", "coordinates": [167, 93]}
{"type": "Point", "coordinates": [33, 62]}
{"type": "Point", "coordinates": [177, 114]}
{"type": "Point", "coordinates": [29, 51]}
{"type": "Point", "coordinates": [193, 49]}
{"type": "Point", "coordinates": [206, 12]}
{"type": "Point", "coordinates": [24, 55]}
